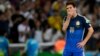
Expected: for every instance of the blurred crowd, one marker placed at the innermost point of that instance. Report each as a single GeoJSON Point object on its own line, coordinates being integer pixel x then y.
{"type": "Point", "coordinates": [42, 19]}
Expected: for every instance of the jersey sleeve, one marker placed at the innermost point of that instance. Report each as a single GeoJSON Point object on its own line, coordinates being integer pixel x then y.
{"type": "Point", "coordinates": [86, 23]}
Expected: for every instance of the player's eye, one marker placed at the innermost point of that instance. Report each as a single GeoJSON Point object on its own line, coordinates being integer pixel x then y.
{"type": "Point", "coordinates": [70, 7]}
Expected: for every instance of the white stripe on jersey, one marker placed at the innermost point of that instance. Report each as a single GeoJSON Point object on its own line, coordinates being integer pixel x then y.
{"type": "Point", "coordinates": [83, 53]}
{"type": "Point", "coordinates": [83, 34]}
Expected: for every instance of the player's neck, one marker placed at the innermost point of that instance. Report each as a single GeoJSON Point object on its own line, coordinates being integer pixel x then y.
{"type": "Point", "coordinates": [75, 14]}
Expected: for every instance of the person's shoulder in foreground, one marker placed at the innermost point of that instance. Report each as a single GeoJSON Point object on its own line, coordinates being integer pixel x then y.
{"type": "Point", "coordinates": [4, 44]}
{"type": "Point", "coordinates": [32, 47]}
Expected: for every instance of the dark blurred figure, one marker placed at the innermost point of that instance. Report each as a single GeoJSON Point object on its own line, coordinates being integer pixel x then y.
{"type": "Point", "coordinates": [3, 22]}
{"type": "Point", "coordinates": [91, 4]}
{"type": "Point", "coordinates": [16, 19]}
{"type": "Point", "coordinates": [14, 2]}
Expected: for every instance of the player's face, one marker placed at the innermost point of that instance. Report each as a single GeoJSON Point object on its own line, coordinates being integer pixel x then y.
{"type": "Point", "coordinates": [70, 9]}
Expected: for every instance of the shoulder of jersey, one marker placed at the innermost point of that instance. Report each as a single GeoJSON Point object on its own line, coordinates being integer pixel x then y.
{"type": "Point", "coordinates": [81, 16]}
{"type": "Point", "coordinates": [33, 41]}
{"type": "Point", "coordinates": [86, 19]}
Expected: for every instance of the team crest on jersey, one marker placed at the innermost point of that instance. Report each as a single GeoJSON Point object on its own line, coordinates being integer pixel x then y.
{"type": "Point", "coordinates": [77, 23]}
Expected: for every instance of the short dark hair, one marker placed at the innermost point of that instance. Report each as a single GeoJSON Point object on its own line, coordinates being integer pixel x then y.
{"type": "Point", "coordinates": [71, 3]}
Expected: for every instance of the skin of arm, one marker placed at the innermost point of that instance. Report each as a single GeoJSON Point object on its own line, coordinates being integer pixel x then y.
{"type": "Point", "coordinates": [65, 24]}
{"type": "Point", "coordinates": [89, 34]}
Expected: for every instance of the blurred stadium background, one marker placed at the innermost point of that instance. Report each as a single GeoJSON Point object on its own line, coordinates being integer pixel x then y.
{"type": "Point", "coordinates": [42, 19]}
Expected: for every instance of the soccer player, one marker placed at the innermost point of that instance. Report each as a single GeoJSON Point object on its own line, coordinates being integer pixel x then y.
{"type": "Point", "coordinates": [32, 47]}
{"type": "Point", "coordinates": [74, 26]}
{"type": "Point", "coordinates": [4, 44]}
